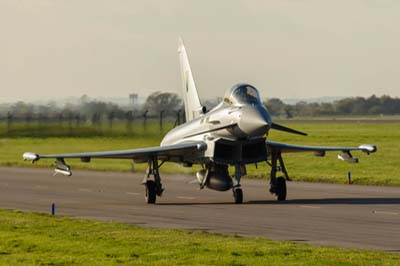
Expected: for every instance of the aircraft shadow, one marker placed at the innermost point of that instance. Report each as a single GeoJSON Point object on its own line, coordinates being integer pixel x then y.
{"type": "Point", "coordinates": [355, 201]}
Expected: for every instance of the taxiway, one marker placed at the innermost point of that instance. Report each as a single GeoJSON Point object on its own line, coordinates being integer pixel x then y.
{"type": "Point", "coordinates": [321, 214]}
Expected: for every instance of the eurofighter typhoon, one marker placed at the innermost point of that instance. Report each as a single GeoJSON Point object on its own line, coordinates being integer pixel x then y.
{"type": "Point", "coordinates": [234, 133]}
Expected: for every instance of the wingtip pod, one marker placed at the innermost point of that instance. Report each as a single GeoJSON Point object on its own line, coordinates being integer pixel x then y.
{"type": "Point", "coordinates": [368, 148]}
{"type": "Point", "coordinates": [30, 156]}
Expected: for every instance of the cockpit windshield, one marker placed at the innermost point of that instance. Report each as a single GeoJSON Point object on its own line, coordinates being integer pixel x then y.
{"type": "Point", "coordinates": [245, 94]}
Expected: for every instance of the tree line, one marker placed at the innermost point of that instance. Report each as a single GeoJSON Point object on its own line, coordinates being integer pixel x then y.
{"type": "Point", "coordinates": [165, 105]}
{"type": "Point", "coordinates": [373, 105]}
{"type": "Point", "coordinates": [160, 105]}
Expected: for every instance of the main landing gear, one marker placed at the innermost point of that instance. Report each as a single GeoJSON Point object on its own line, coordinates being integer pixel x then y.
{"type": "Point", "coordinates": [152, 182]}
{"type": "Point", "coordinates": [238, 195]}
{"type": "Point", "coordinates": [240, 171]}
{"type": "Point", "coordinates": [278, 184]}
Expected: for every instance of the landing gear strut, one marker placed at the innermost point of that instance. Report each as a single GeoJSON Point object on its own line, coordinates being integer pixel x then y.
{"type": "Point", "coordinates": [240, 171]}
{"type": "Point", "coordinates": [278, 184]}
{"type": "Point", "coordinates": [153, 188]}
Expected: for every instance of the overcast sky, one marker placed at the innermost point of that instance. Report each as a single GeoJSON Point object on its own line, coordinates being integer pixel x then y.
{"type": "Point", "coordinates": [287, 49]}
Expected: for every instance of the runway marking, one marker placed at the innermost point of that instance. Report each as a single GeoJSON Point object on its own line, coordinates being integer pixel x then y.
{"type": "Point", "coordinates": [132, 193]}
{"type": "Point", "coordinates": [309, 207]}
{"type": "Point", "coordinates": [379, 212]}
{"type": "Point", "coordinates": [84, 190]}
{"type": "Point", "coordinates": [188, 198]}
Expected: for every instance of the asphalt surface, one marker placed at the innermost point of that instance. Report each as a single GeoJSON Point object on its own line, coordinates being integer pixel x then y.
{"type": "Point", "coordinates": [321, 214]}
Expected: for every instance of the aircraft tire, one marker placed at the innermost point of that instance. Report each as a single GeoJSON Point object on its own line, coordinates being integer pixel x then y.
{"type": "Point", "coordinates": [281, 189]}
{"type": "Point", "coordinates": [150, 190]}
{"type": "Point", "coordinates": [238, 195]}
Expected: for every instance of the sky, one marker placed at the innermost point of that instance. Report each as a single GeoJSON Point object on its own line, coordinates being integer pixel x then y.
{"type": "Point", "coordinates": [53, 49]}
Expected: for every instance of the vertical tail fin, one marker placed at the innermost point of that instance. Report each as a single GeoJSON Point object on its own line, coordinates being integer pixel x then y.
{"type": "Point", "coordinates": [193, 107]}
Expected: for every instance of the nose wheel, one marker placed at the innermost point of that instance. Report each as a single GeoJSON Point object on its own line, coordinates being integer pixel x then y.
{"type": "Point", "coordinates": [238, 195]}
{"type": "Point", "coordinates": [240, 170]}
{"type": "Point", "coordinates": [150, 192]}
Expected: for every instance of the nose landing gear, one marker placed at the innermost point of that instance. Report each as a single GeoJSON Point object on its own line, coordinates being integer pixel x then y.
{"type": "Point", "coordinates": [240, 170]}
{"type": "Point", "coordinates": [278, 184]}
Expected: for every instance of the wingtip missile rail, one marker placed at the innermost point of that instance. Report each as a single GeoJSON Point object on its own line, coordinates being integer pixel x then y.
{"type": "Point", "coordinates": [30, 156]}
{"type": "Point", "coordinates": [367, 148]}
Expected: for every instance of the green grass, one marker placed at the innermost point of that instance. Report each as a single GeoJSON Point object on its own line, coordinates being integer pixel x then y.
{"type": "Point", "coordinates": [38, 239]}
{"type": "Point", "coordinates": [344, 117]}
{"type": "Point", "coordinates": [151, 128]}
{"type": "Point", "coordinates": [380, 168]}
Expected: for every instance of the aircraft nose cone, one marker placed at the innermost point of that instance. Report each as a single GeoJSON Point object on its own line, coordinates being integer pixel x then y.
{"type": "Point", "coordinates": [254, 121]}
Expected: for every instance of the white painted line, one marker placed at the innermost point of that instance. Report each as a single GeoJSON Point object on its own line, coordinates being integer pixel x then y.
{"type": "Point", "coordinates": [183, 197]}
{"type": "Point", "coordinates": [84, 190]}
{"type": "Point", "coordinates": [309, 207]}
{"type": "Point", "coordinates": [391, 213]}
{"type": "Point", "coordinates": [132, 193]}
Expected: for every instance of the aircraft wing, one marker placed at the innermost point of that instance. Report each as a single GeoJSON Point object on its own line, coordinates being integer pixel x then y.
{"type": "Point", "coordinates": [171, 152]}
{"type": "Point", "coordinates": [320, 150]}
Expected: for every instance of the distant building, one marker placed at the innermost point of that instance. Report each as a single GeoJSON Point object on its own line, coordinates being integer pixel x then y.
{"type": "Point", "coordinates": [133, 98]}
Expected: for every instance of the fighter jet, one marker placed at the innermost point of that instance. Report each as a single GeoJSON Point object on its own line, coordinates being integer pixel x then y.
{"type": "Point", "coordinates": [234, 133]}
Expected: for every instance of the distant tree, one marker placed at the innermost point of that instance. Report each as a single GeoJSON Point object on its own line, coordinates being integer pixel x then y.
{"type": "Point", "coordinates": [390, 105]}
{"type": "Point", "coordinates": [360, 106]}
{"type": "Point", "coordinates": [373, 100]}
{"type": "Point", "coordinates": [275, 106]}
{"type": "Point", "coordinates": [95, 119]}
{"type": "Point", "coordinates": [158, 101]}
{"type": "Point", "coordinates": [288, 111]}
{"type": "Point", "coordinates": [21, 110]}
{"type": "Point", "coordinates": [301, 108]}
{"type": "Point", "coordinates": [344, 106]}
{"type": "Point", "coordinates": [84, 99]}
{"type": "Point", "coordinates": [325, 109]}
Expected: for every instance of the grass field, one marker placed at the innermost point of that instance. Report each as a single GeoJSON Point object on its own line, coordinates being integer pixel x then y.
{"type": "Point", "coordinates": [348, 117]}
{"type": "Point", "coordinates": [380, 168]}
{"type": "Point", "coordinates": [38, 239]}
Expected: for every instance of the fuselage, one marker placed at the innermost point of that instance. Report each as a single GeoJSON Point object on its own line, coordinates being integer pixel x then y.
{"type": "Point", "coordinates": [239, 118]}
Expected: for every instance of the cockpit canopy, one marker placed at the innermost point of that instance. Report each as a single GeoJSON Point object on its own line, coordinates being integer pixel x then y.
{"type": "Point", "coordinates": [242, 94]}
